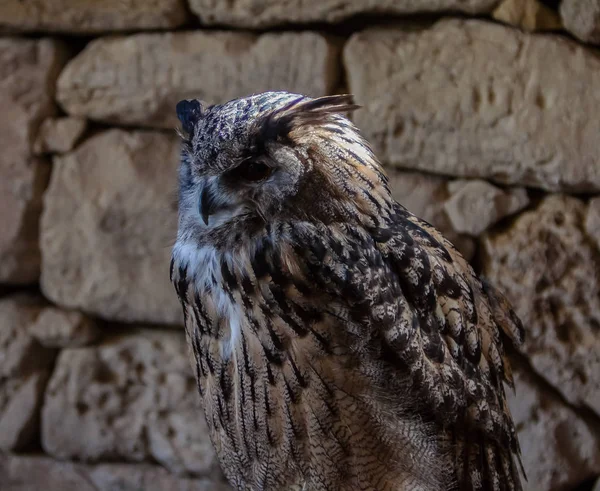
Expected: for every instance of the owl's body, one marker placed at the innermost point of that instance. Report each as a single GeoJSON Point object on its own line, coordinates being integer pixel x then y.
{"type": "Point", "coordinates": [339, 342]}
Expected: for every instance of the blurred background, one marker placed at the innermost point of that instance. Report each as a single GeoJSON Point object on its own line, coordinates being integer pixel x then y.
{"type": "Point", "coordinates": [485, 112]}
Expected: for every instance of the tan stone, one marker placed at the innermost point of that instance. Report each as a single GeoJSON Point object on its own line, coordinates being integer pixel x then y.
{"type": "Point", "coordinates": [551, 273]}
{"type": "Point", "coordinates": [475, 99]}
{"type": "Point", "coordinates": [24, 370]}
{"type": "Point", "coordinates": [139, 79]}
{"type": "Point", "coordinates": [133, 398]}
{"type": "Point", "coordinates": [531, 15]}
{"type": "Point", "coordinates": [274, 12]}
{"type": "Point", "coordinates": [27, 473]}
{"type": "Point", "coordinates": [21, 189]}
{"type": "Point", "coordinates": [560, 448]}
{"type": "Point", "coordinates": [20, 403]}
{"type": "Point", "coordinates": [476, 205]}
{"type": "Point", "coordinates": [58, 328]}
{"type": "Point", "coordinates": [59, 135]}
{"type": "Point", "coordinates": [108, 225]}
{"type": "Point", "coordinates": [592, 221]}
{"type": "Point", "coordinates": [425, 195]}
{"type": "Point", "coordinates": [20, 352]}
{"type": "Point", "coordinates": [91, 16]}
{"type": "Point", "coordinates": [28, 72]}
{"type": "Point", "coordinates": [582, 19]}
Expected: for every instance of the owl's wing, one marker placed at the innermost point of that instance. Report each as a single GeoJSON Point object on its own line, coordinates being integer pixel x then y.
{"type": "Point", "coordinates": [443, 323]}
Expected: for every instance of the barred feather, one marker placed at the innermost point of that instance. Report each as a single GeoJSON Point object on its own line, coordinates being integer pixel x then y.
{"type": "Point", "coordinates": [339, 342]}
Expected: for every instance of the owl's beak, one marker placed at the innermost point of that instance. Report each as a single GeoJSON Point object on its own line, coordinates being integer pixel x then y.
{"type": "Point", "coordinates": [207, 203]}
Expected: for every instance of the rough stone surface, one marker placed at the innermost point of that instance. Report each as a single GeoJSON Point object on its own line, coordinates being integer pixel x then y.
{"type": "Point", "coordinates": [20, 352]}
{"type": "Point", "coordinates": [531, 15]}
{"type": "Point", "coordinates": [24, 369]}
{"type": "Point", "coordinates": [476, 205]}
{"type": "Point", "coordinates": [592, 221]}
{"type": "Point", "coordinates": [551, 273]}
{"type": "Point", "coordinates": [59, 135]}
{"type": "Point", "coordinates": [582, 19]}
{"type": "Point", "coordinates": [139, 79]}
{"type": "Point", "coordinates": [20, 403]}
{"type": "Point", "coordinates": [560, 449]}
{"type": "Point", "coordinates": [274, 12]}
{"type": "Point", "coordinates": [58, 328]}
{"type": "Point", "coordinates": [476, 99]}
{"type": "Point", "coordinates": [425, 197]}
{"type": "Point", "coordinates": [134, 398]}
{"type": "Point", "coordinates": [26, 473]}
{"type": "Point", "coordinates": [108, 223]}
{"type": "Point", "coordinates": [91, 16]}
{"type": "Point", "coordinates": [28, 72]}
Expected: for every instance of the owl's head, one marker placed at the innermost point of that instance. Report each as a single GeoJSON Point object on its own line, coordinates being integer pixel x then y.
{"type": "Point", "coordinates": [272, 157]}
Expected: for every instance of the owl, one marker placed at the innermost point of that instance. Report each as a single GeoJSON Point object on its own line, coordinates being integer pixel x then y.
{"type": "Point", "coordinates": [339, 342]}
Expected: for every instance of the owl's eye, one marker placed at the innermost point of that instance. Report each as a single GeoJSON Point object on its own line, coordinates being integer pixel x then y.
{"type": "Point", "coordinates": [253, 171]}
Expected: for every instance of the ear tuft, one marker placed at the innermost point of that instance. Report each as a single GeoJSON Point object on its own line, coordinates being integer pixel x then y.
{"type": "Point", "coordinates": [188, 113]}
{"type": "Point", "coordinates": [328, 104]}
{"type": "Point", "coordinates": [305, 112]}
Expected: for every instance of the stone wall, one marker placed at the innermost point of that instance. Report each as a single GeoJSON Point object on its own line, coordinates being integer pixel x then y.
{"type": "Point", "coordinates": [485, 112]}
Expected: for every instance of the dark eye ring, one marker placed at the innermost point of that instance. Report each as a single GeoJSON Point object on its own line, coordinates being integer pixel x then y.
{"type": "Point", "coordinates": [253, 171]}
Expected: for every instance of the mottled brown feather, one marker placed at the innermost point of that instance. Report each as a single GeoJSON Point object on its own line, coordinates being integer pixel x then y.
{"type": "Point", "coordinates": [340, 343]}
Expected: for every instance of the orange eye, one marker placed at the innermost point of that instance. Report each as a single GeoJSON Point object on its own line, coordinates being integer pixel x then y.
{"type": "Point", "coordinates": [253, 171]}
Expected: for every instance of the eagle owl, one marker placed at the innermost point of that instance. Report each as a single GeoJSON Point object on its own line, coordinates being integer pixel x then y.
{"type": "Point", "coordinates": [339, 342]}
